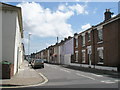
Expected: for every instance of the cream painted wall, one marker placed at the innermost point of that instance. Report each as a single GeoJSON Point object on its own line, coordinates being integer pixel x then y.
{"type": "Point", "coordinates": [8, 35]}
{"type": "Point", "coordinates": [0, 43]}
{"type": "Point", "coordinates": [0, 35]}
{"type": "Point", "coordinates": [18, 53]}
{"type": "Point", "coordinates": [67, 59]}
{"type": "Point", "coordinates": [11, 39]}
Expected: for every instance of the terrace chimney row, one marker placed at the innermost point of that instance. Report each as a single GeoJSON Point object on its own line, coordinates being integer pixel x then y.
{"type": "Point", "coordinates": [108, 14]}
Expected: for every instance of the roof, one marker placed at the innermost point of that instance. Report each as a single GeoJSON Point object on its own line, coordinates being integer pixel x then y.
{"type": "Point", "coordinates": [109, 20]}
{"type": "Point", "coordinates": [102, 23]}
{"type": "Point", "coordinates": [5, 6]}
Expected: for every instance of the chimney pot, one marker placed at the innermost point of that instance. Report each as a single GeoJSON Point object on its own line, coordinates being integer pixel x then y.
{"type": "Point", "coordinates": [107, 14]}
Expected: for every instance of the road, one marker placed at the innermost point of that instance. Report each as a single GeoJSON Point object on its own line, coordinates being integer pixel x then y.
{"type": "Point", "coordinates": [60, 77]}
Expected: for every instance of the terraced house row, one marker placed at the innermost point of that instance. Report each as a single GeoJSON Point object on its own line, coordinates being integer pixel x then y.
{"type": "Point", "coordinates": [98, 45]}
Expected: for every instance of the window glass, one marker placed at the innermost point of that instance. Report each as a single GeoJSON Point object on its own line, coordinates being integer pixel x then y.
{"type": "Point", "coordinates": [89, 37]}
{"type": "Point", "coordinates": [100, 35]}
{"type": "Point", "coordinates": [76, 53]}
{"type": "Point", "coordinates": [76, 42]}
{"type": "Point", "coordinates": [100, 55]}
{"type": "Point", "coordinates": [83, 57]}
{"type": "Point", "coordinates": [83, 40]}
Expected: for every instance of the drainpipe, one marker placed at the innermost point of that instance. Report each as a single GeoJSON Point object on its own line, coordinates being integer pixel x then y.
{"type": "Point", "coordinates": [93, 45]}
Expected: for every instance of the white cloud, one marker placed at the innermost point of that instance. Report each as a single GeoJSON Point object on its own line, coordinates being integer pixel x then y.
{"type": "Point", "coordinates": [85, 27]}
{"type": "Point", "coordinates": [79, 9]}
{"type": "Point", "coordinates": [62, 7]}
{"type": "Point", "coordinates": [44, 22]}
{"type": "Point", "coordinates": [113, 15]}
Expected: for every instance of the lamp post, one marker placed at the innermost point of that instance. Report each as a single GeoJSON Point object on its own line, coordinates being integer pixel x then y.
{"type": "Point", "coordinates": [29, 45]}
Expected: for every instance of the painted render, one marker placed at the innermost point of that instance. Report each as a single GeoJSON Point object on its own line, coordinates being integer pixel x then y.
{"type": "Point", "coordinates": [12, 48]}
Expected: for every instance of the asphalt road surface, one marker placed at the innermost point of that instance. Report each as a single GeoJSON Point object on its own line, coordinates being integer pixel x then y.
{"type": "Point", "coordinates": [60, 77]}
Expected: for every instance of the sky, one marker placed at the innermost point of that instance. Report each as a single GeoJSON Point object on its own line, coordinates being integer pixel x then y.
{"type": "Point", "coordinates": [46, 21]}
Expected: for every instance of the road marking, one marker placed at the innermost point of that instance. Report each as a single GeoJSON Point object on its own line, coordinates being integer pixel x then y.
{"type": "Point", "coordinates": [84, 76]}
{"type": "Point", "coordinates": [97, 75]}
{"type": "Point", "coordinates": [117, 80]}
{"type": "Point", "coordinates": [54, 67]}
{"type": "Point", "coordinates": [65, 70]}
{"type": "Point", "coordinates": [107, 81]}
{"type": "Point", "coordinates": [45, 81]}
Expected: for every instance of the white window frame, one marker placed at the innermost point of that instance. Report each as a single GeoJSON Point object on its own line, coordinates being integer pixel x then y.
{"type": "Point", "coordinates": [89, 49]}
{"type": "Point", "coordinates": [76, 56]}
{"type": "Point", "coordinates": [83, 40]}
{"type": "Point", "coordinates": [76, 41]}
{"type": "Point", "coordinates": [89, 34]}
{"type": "Point", "coordinates": [100, 35]}
{"type": "Point", "coordinates": [83, 51]}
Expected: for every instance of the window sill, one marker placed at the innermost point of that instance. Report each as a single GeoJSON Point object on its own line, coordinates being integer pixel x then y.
{"type": "Point", "coordinates": [100, 42]}
{"type": "Point", "coordinates": [89, 40]}
{"type": "Point", "coordinates": [100, 63]}
{"type": "Point", "coordinates": [76, 47]}
{"type": "Point", "coordinates": [83, 45]}
{"type": "Point", "coordinates": [83, 62]}
{"type": "Point", "coordinates": [76, 61]}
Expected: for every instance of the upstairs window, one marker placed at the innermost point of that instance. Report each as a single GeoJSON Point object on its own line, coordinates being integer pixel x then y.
{"type": "Point", "coordinates": [100, 35]}
{"type": "Point", "coordinates": [83, 40]}
{"type": "Point", "coordinates": [89, 37]}
{"type": "Point", "coordinates": [76, 43]}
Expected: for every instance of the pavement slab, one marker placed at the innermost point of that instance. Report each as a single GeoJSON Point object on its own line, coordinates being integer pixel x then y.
{"type": "Point", "coordinates": [25, 76]}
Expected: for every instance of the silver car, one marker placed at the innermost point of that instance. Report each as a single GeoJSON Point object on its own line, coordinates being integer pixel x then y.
{"type": "Point", "coordinates": [37, 63]}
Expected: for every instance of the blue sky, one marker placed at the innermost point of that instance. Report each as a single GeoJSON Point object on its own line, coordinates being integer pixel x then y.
{"type": "Point", "coordinates": [45, 24]}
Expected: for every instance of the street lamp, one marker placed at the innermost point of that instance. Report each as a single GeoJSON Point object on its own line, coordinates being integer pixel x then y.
{"type": "Point", "coordinates": [29, 45]}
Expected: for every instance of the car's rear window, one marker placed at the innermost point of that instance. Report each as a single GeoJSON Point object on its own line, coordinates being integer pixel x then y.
{"type": "Point", "coordinates": [38, 60]}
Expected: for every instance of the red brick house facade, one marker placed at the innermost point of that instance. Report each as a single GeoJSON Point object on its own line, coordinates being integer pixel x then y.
{"type": "Point", "coordinates": [100, 44]}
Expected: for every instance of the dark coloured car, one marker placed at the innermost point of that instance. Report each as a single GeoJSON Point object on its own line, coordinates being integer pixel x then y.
{"type": "Point", "coordinates": [45, 61]}
{"type": "Point", "coordinates": [37, 63]}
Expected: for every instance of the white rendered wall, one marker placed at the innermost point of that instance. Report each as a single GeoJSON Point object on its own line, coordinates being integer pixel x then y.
{"type": "Point", "coordinates": [11, 39]}
{"type": "Point", "coordinates": [18, 54]}
{"type": "Point", "coordinates": [0, 34]}
{"type": "Point", "coordinates": [67, 59]}
{"type": "Point", "coordinates": [0, 43]}
{"type": "Point", "coordinates": [8, 35]}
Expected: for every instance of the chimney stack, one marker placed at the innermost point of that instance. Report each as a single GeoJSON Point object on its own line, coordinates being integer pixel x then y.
{"type": "Point", "coordinates": [108, 14]}
{"type": "Point", "coordinates": [57, 39]}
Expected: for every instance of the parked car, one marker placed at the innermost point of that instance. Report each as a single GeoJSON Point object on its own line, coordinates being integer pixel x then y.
{"type": "Point", "coordinates": [37, 63]}
{"type": "Point", "coordinates": [29, 60]}
{"type": "Point", "coordinates": [45, 61]}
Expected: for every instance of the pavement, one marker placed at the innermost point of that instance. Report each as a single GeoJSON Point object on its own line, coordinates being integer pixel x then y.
{"type": "Point", "coordinates": [94, 70]}
{"type": "Point", "coordinates": [25, 77]}
{"type": "Point", "coordinates": [95, 66]}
